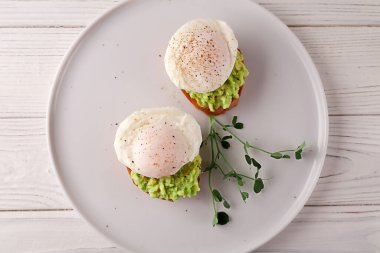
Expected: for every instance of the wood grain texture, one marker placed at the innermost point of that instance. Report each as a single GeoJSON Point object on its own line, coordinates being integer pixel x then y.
{"type": "Point", "coordinates": [350, 175]}
{"type": "Point", "coordinates": [27, 179]}
{"type": "Point", "coordinates": [330, 229]}
{"type": "Point", "coordinates": [343, 213]}
{"type": "Point", "coordinates": [49, 232]}
{"type": "Point", "coordinates": [325, 12]}
{"type": "Point", "coordinates": [315, 229]}
{"type": "Point", "coordinates": [29, 59]}
{"type": "Point", "coordinates": [348, 60]}
{"type": "Point", "coordinates": [73, 13]}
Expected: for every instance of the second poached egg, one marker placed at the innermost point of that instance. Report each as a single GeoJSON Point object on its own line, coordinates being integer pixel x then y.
{"type": "Point", "coordinates": [157, 142]}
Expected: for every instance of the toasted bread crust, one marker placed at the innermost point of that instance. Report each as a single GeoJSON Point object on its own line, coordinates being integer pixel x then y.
{"type": "Point", "coordinates": [218, 111]}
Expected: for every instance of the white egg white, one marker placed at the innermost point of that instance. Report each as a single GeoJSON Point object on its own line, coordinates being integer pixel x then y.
{"type": "Point", "coordinates": [157, 142]}
{"type": "Point", "coordinates": [201, 55]}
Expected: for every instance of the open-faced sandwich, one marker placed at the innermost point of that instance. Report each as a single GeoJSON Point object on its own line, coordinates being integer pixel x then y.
{"type": "Point", "coordinates": [203, 60]}
{"type": "Point", "coordinates": [160, 148]}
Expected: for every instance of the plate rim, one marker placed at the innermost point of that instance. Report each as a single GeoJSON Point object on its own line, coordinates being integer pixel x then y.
{"type": "Point", "coordinates": [317, 86]}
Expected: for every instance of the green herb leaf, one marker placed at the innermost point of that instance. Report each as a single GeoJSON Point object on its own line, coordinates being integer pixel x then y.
{"type": "Point", "coordinates": [298, 154]}
{"type": "Point", "coordinates": [239, 125]}
{"type": "Point", "coordinates": [226, 137]}
{"type": "Point", "coordinates": [276, 155]}
{"type": "Point", "coordinates": [256, 163]}
{"type": "Point", "coordinates": [256, 174]}
{"type": "Point", "coordinates": [222, 218]}
{"type": "Point", "coordinates": [239, 180]}
{"type": "Point", "coordinates": [300, 147]}
{"type": "Point", "coordinates": [226, 204]}
{"type": "Point", "coordinates": [248, 159]}
{"type": "Point", "coordinates": [217, 196]}
{"type": "Point", "coordinates": [299, 150]}
{"type": "Point", "coordinates": [244, 195]}
{"type": "Point", "coordinates": [234, 120]}
{"type": "Point", "coordinates": [225, 144]}
{"type": "Point", "coordinates": [215, 220]}
{"type": "Point", "coordinates": [230, 174]}
{"type": "Point", "coordinates": [258, 185]}
{"type": "Point", "coordinates": [286, 156]}
{"type": "Point", "coordinates": [246, 146]}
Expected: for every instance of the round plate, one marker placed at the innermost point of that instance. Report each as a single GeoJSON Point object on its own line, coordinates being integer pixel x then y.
{"type": "Point", "coordinates": [116, 67]}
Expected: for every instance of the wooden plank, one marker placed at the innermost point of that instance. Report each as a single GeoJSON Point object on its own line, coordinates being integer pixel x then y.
{"type": "Point", "coordinates": [29, 59]}
{"type": "Point", "coordinates": [348, 60]}
{"type": "Point", "coordinates": [26, 13]}
{"type": "Point", "coordinates": [315, 229]}
{"type": "Point", "coordinates": [350, 175]}
{"type": "Point", "coordinates": [50, 232]}
{"type": "Point", "coordinates": [325, 12]}
{"type": "Point", "coordinates": [330, 229]}
{"type": "Point", "coordinates": [51, 13]}
{"type": "Point", "coordinates": [27, 179]}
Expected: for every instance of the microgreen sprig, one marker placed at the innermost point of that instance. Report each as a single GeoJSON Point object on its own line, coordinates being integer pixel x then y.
{"type": "Point", "coordinates": [217, 142]}
{"type": "Point", "coordinates": [282, 154]}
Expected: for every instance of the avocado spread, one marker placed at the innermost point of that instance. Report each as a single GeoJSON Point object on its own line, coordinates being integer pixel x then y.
{"type": "Point", "coordinates": [182, 184]}
{"type": "Point", "coordinates": [222, 97]}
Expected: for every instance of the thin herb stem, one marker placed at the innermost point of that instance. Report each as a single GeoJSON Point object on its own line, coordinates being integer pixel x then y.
{"type": "Point", "coordinates": [229, 131]}
{"type": "Point", "coordinates": [228, 164]}
{"type": "Point", "coordinates": [221, 170]}
{"type": "Point", "coordinates": [224, 158]}
{"type": "Point", "coordinates": [213, 162]}
{"type": "Point", "coordinates": [286, 150]}
{"type": "Point", "coordinates": [242, 175]}
{"type": "Point", "coordinates": [260, 149]}
{"type": "Point", "coordinates": [246, 144]}
{"type": "Point", "coordinates": [212, 151]}
{"type": "Point", "coordinates": [209, 186]}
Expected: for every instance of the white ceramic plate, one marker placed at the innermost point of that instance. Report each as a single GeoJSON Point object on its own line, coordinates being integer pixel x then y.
{"type": "Point", "coordinates": [116, 67]}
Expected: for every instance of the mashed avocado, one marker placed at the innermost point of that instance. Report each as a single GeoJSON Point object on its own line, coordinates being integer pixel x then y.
{"type": "Point", "coordinates": [182, 184]}
{"type": "Point", "coordinates": [222, 97]}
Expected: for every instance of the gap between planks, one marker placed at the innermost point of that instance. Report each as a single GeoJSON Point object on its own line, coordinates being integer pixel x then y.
{"type": "Point", "coordinates": [41, 26]}
{"type": "Point", "coordinates": [332, 115]}
{"type": "Point", "coordinates": [71, 209]}
{"type": "Point", "coordinates": [84, 26]}
{"type": "Point", "coordinates": [37, 210]}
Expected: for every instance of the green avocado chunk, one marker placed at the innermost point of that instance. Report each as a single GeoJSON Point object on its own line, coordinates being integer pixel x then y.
{"type": "Point", "coordinates": [182, 184]}
{"type": "Point", "coordinates": [222, 97]}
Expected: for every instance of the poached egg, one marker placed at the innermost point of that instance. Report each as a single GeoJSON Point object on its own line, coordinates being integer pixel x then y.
{"type": "Point", "coordinates": [201, 55]}
{"type": "Point", "coordinates": [157, 142]}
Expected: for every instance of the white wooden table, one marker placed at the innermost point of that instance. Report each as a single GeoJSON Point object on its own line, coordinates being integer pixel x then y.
{"type": "Point", "coordinates": [343, 214]}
